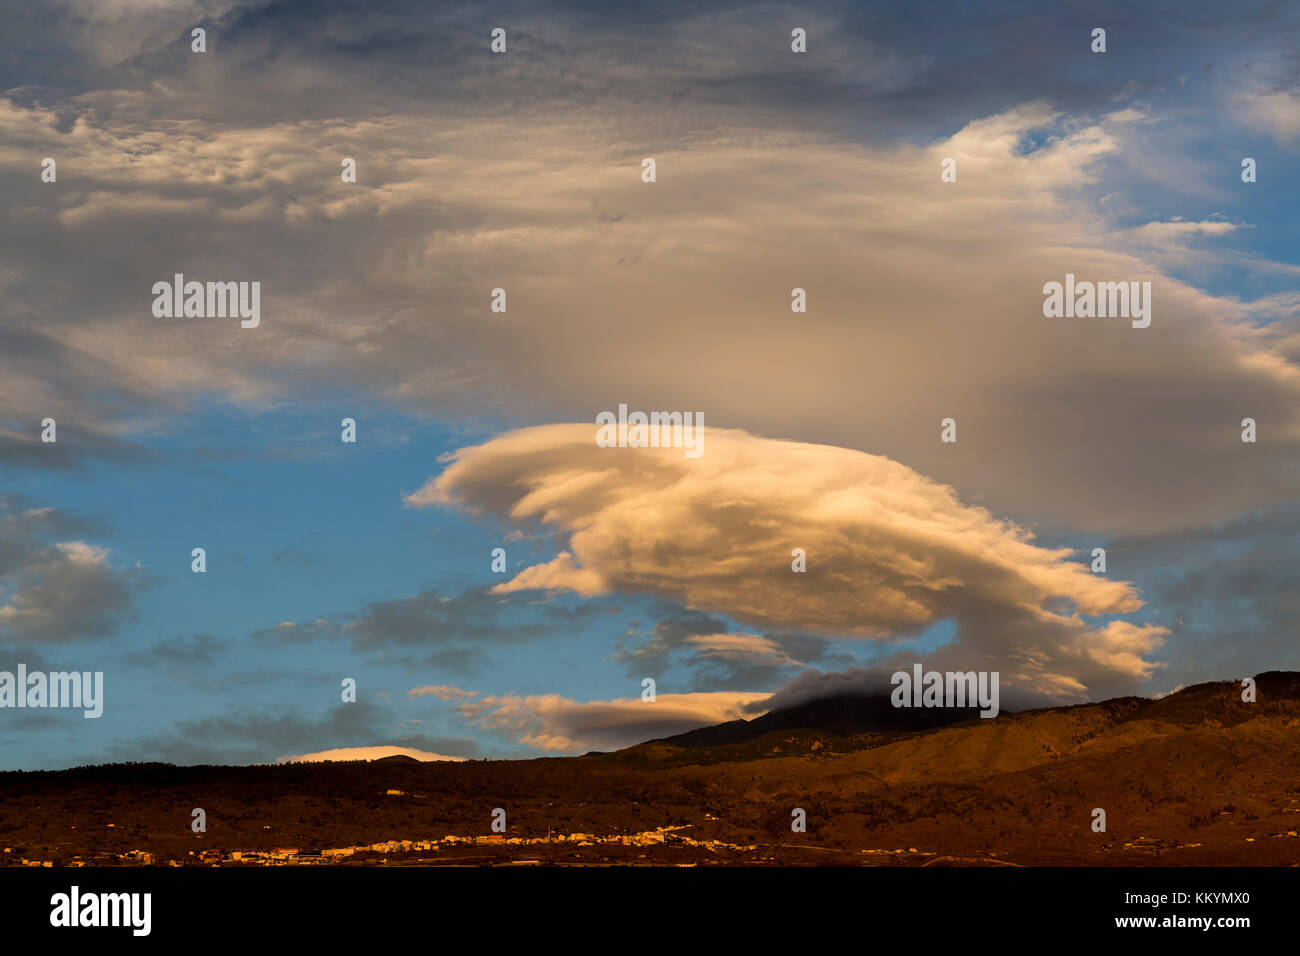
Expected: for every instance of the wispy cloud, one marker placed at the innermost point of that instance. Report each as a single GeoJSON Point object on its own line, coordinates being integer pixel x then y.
{"type": "Point", "coordinates": [556, 724]}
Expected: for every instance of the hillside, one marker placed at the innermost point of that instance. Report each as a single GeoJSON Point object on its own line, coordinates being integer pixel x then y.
{"type": "Point", "coordinates": [1195, 778]}
{"type": "Point", "coordinates": [837, 716]}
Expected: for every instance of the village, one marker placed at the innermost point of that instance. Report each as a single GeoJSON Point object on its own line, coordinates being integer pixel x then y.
{"type": "Point", "coordinates": [294, 856]}
{"type": "Point", "coordinates": [417, 852]}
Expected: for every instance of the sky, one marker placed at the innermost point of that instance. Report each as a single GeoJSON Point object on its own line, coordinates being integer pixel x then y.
{"type": "Point", "coordinates": [522, 170]}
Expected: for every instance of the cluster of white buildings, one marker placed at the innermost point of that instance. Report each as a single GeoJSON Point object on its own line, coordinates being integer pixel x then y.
{"type": "Point", "coordinates": [269, 857]}
{"type": "Point", "coordinates": [647, 838]}
{"type": "Point", "coordinates": [292, 855]}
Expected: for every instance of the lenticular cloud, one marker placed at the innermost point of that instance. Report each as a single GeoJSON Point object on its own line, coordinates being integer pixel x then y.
{"type": "Point", "coordinates": [889, 552]}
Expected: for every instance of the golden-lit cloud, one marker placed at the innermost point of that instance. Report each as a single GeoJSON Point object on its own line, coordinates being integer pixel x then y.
{"type": "Point", "coordinates": [740, 647]}
{"type": "Point", "coordinates": [441, 691]}
{"type": "Point", "coordinates": [889, 552]}
{"type": "Point", "coordinates": [557, 724]}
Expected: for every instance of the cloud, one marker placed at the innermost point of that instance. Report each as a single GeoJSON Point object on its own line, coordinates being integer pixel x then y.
{"type": "Point", "coordinates": [713, 656]}
{"type": "Point", "coordinates": [292, 557]}
{"type": "Point", "coordinates": [889, 552]}
{"type": "Point", "coordinates": [256, 737]}
{"type": "Point", "coordinates": [365, 753]}
{"type": "Point", "coordinates": [741, 647]}
{"type": "Point", "coordinates": [873, 681]}
{"type": "Point", "coordinates": [442, 692]}
{"type": "Point", "coordinates": [556, 724]}
{"type": "Point", "coordinates": [1277, 112]}
{"type": "Point", "coordinates": [1176, 230]}
{"type": "Point", "coordinates": [451, 630]}
{"type": "Point", "coordinates": [74, 448]}
{"type": "Point", "coordinates": [58, 590]}
{"type": "Point", "coordinates": [951, 287]}
{"type": "Point", "coordinates": [1230, 592]}
{"type": "Point", "coordinates": [194, 651]}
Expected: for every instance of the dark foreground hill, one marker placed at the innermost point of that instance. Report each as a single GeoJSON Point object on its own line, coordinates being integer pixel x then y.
{"type": "Point", "coordinates": [1196, 778]}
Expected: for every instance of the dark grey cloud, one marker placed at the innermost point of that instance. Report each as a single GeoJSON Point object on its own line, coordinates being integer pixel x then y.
{"type": "Point", "coordinates": [73, 450]}
{"type": "Point", "coordinates": [1230, 593]}
{"type": "Point", "coordinates": [25, 528]}
{"type": "Point", "coordinates": [30, 654]}
{"type": "Point", "coordinates": [39, 721]}
{"type": "Point", "coordinates": [813, 685]}
{"type": "Point", "coordinates": [868, 65]}
{"type": "Point", "coordinates": [461, 661]}
{"type": "Point", "coordinates": [292, 558]}
{"type": "Point", "coordinates": [190, 652]}
{"type": "Point", "coordinates": [448, 632]}
{"type": "Point", "coordinates": [704, 647]}
{"type": "Point", "coordinates": [653, 652]}
{"type": "Point", "coordinates": [55, 586]}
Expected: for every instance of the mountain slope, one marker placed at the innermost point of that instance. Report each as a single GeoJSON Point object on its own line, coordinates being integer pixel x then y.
{"type": "Point", "coordinates": [840, 716]}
